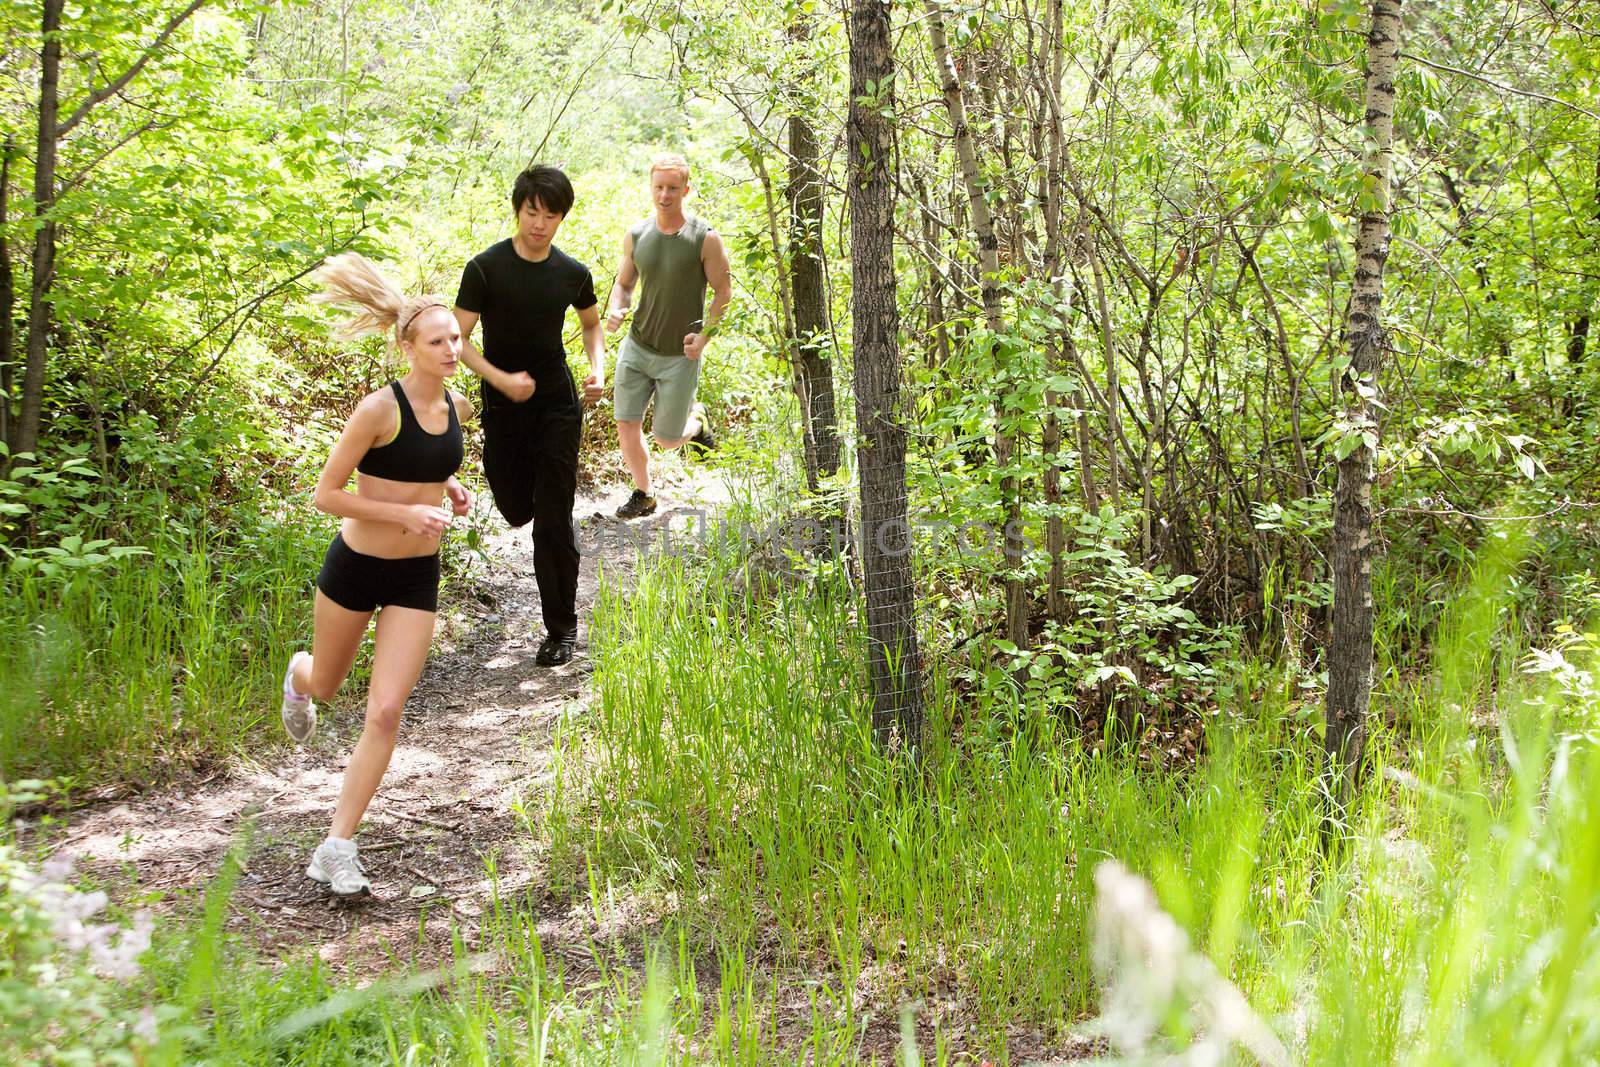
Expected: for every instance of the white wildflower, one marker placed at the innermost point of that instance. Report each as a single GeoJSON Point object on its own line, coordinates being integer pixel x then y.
{"type": "Point", "coordinates": [1150, 969]}
{"type": "Point", "coordinates": [58, 868]}
{"type": "Point", "coordinates": [121, 960]}
{"type": "Point", "coordinates": [144, 1028]}
{"type": "Point", "coordinates": [114, 951]}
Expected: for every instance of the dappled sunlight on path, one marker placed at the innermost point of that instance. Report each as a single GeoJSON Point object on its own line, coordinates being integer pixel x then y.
{"type": "Point", "coordinates": [444, 833]}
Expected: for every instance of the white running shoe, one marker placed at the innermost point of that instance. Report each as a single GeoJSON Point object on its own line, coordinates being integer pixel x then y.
{"type": "Point", "coordinates": [299, 713]}
{"type": "Point", "coordinates": [335, 865]}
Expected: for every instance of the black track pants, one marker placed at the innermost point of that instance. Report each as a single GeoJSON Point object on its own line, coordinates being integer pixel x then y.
{"type": "Point", "coordinates": [530, 459]}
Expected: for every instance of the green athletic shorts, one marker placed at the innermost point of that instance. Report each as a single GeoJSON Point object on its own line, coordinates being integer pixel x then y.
{"type": "Point", "coordinates": [672, 379]}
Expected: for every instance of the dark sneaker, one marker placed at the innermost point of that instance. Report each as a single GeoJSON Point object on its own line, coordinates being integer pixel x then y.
{"type": "Point", "coordinates": [705, 440]}
{"type": "Point", "coordinates": [637, 506]}
{"type": "Point", "coordinates": [554, 651]}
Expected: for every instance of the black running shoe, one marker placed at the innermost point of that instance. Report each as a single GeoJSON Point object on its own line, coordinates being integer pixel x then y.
{"type": "Point", "coordinates": [637, 506]}
{"type": "Point", "coordinates": [554, 651]}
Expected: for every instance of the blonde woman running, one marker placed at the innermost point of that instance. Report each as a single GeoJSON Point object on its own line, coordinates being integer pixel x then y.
{"type": "Point", "coordinates": [404, 444]}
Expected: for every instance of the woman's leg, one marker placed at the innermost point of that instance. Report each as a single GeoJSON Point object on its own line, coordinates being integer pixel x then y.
{"type": "Point", "coordinates": [400, 647]}
{"type": "Point", "coordinates": [335, 640]}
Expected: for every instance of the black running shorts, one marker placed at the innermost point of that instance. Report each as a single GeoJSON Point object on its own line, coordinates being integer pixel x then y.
{"type": "Point", "coordinates": [358, 582]}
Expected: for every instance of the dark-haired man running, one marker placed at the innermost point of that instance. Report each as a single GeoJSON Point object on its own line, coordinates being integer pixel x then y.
{"type": "Point", "coordinates": [532, 415]}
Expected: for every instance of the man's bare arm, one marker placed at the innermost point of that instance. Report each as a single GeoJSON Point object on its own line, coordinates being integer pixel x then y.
{"type": "Point", "coordinates": [719, 275]}
{"type": "Point", "coordinates": [594, 344]}
{"type": "Point", "coordinates": [622, 290]}
{"type": "Point", "coordinates": [714, 260]}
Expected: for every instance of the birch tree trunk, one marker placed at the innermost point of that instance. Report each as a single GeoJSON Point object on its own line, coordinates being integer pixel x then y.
{"type": "Point", "coordinates": [1050, 198]}
{"type": "Point", "coordinates": [1005, 445]}
{"type": "Point", "coordinates": [885, 532]}
{"type": "Point", "coordinates": [1350, 643]}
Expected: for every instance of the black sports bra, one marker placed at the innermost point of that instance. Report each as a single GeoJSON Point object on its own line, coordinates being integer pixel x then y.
{"type": "Point", "coordinates": [415, 455]}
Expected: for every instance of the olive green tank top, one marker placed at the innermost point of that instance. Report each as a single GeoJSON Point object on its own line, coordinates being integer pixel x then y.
{"type": "Point", "coordinates": [673, 281]}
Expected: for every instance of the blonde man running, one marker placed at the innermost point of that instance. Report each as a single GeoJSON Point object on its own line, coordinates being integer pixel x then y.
{"type": "Point", "coordinates": [675, 256]}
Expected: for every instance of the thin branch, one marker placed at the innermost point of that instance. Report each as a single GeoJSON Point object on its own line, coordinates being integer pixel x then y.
{"type": "Point", "coordinates": [1502, 86]}
{"type": "Point", "coordinates": [1449, 510]}
{"type": "Point", "coordinates": [577, 84]}
{"type": "Point", "coordinates": [96, 96]}
{"type": "Point", "coordinates": [247, 309]}
{"type": "Point", "coordinates": [110, 149]}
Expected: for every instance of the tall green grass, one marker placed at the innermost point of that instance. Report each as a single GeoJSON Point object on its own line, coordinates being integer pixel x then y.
{"type": "Point", "coordinates": [504, 1002]}
{"type": "Point", "coordinates": [803, 887]}
{"type": "Point", "coordinates": [729, 761]}
{"type": "Point", "coordinates": [728, 764]}
{"type": "Point", "coordinates": [112, 671]}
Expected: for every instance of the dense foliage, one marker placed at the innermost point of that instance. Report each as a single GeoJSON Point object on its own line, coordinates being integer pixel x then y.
{"type": "Point", "coordinates": [1124, 238]}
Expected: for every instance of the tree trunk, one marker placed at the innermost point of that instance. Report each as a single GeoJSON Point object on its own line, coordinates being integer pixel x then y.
{"type": "Point", "coordinates": [937, 321]}
{"type": "Point", "coordinates": [1578, 338]}
{"type": "Point", "coordinates": [1113, 392]}
{"type": "Point", "coordinates": [1087, 490]}
{"type": "Point", "coordinates": [1050, 197]}
{"type": "Point", "coordinates": [786, 329]}
{"type": "Point", "coordinates": [805, 274]}
{"type": "Point", "coordinates": [1016, 596]}
{"type": "Point", "coordinates": [1350, 644]}
{"type": "Point", "coordinates": [8, 295]}
{"type": "Point", "coordinates": [52, 129]}
{"type": "Point", "coordinates": [1464, 234]}
{"type": "Point", "coordinates": [885, 532]}
{"type": "Point", "coordinates": [44, 240]}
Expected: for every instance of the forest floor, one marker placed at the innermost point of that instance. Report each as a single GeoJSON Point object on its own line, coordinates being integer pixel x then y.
{"type": "Point", "coordinates": [475, 751]}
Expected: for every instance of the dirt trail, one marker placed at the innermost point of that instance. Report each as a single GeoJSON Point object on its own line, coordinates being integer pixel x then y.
{"type": "Point", "coordinates": [473, 745]}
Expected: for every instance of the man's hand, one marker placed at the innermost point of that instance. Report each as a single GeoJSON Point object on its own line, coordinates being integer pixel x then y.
{"type": "Point", "coordinates": [460, 497]}
{"type": "Point", "coordinates": [593, 386]}
{"type": "Point", "coordinates": [694, 344]}
{"type": "Point", "coordinates": [518, 386]}
{"type": "Point", "coordinates": [614, 320]}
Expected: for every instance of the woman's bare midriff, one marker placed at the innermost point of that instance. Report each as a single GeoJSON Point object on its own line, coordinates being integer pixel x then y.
{"type": "Point", "coordinates": [389, 540]}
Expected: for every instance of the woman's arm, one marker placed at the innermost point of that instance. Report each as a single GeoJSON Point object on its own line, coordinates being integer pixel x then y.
{"type": "Point", "coordinates": [371, 422]}
{"type": "Point", "coordinates": [460, 496]}
{"type": "Point", "coordinates": [518, 386]}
